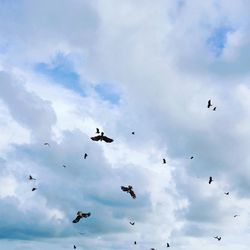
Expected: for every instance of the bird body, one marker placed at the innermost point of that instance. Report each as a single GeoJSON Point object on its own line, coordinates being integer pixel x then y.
{"type": "Point", "coordinates": [97, 131]}
{"type": "Point", "coordinates": [31, 178]}
{"type": "Point", "coordinates": [102, 137]}
{"type": "Point", "coordinates": [209, 104]}
{"type": "Point", "coordinates": [85, 155]}
{"type": "Point", "coordinates": [80, 215]}
{"type": "Point", "coordinates": [163, 161]}
{"type": "Point", "coordinates": [214, 109]}
{"type": "Point", "coordinates": [218, 238]}
{"type": "Point", "coordinates": [46, 144]}
{"type": "Point", "coordinates": [168, 245]}
{"type": "Point", "coordinates": [210, 180]}
{"type": "Point", "coordinates": [33, 189]}
{"type": "Point", "coordinates": [129, 190]}
{"type": "Point", "coordinates": [227, 193]}
{"type": "Point", "coordinates": [131, 223]}
{"type": "Point", "coordinates": [191, 157]}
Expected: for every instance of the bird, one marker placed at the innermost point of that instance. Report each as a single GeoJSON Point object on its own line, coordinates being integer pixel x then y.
{"type": "Point", "coordinates": [152, 249]}
{"type": "Point", "coordinates": [31, 178]}
{"type": "Point", "coordinates": [236, 215]}
{"type": "Point", "coordinates": [131, 223]}
{"type": "Point", "coordinates": [164, 161]}
{"type": "Point", "coordinates": [217, 237]}
{"type": "Point", "coordinates": [191, 157]}
{"type": "Point", "coordinates": [168, 245]}
{"type": "Point", "coordinates": [74, 247]}
{"type": "Point", "coordinates": [33, 189]}
{"type": "Point", "coordinates": [134, 242]}
{"type": "Point", "coordinates": [80, 215]}
{"type": "Point", "coordinates": [64, 166]}
{"type": "Point", "coordinates": [129, 190]}
{"type": "Point", "coordinates": [209, 104]}
{"type": "Point", "coordinates": [214, 109]}
{"type": "Point", "coordinates": [102, 137]}
{"type": "Point", "coordinates": [97, 131]}
{"type": "Point", "coordinates": [85, 155]}
{"type": "Point", "coordinates": [227, 193]}
{"type": "Point", "coordinates": [133, 133]}
{"type": "Point", "coordinates": [46, 144]}
{"type": "Point", "coordinates": [210, 180]}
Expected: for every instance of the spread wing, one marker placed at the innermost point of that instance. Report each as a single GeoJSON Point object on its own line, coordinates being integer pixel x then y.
{"type": "Point", "coordinates": [78, 217]}
{"type": "Point", "coordinates": [107, 139]}
{"type": "Point", "coordinates": [96, 138]}
{"type": "Point", "coordinates": [132, 193]}
{"type": "Point", "coordinates": [85, 215]}
{"type": "Point", "coordinates": [125, 189]}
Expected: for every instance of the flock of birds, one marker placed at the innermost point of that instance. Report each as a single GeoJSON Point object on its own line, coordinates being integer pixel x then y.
{"type": "Point", "coordinates": [129, 189]}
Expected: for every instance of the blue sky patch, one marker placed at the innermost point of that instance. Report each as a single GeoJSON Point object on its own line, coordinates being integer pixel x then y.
{"type": "Point", "coordinates": [61, 71]}
{"type": "Point", "coordinates": [108, 93]}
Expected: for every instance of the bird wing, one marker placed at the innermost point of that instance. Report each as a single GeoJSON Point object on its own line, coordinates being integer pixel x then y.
{"type": "Point", "coordinates": [107, 139]}
{"type": "Point", "coordinates": [78, 217]}
{"type": "Point", "coordinates": [85, 215]}
{"type": "Point", "coordinates": [96, 138]}
{"type": "Point", "coordinates": [125, 189]}
{"type": "Point", "coordinates": [132, 193]}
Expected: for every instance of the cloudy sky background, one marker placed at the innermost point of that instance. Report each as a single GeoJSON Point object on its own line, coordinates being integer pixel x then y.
{"type": "Point", "coordinates": [67, 67]}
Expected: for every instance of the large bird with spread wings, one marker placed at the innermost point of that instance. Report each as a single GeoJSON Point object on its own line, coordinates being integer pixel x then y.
{"type": "Point", "coordinates": [129, 190]}
{"type": "Point", "coordinates": [80, 215]}
{"type": "Point", "coordinates": [102, 137]}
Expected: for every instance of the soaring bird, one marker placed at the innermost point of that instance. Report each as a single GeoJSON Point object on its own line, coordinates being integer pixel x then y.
{"type": "Point", "coordinates": [102, 137]}
{"type": "Point", "coordinates": [97, 131]}
{"type": "Point", "coordinates": [133, 133]}
{"type": "Point", "coordinates": [217, 237]}
{"type": "Point", "coordinates": [209, 104]}
{"type": "Point", "coordinates": [80, 215]}
{"type": "Point", "coordinates": [134, 242]}
{"type": "Point", "coordinates": [164, 161]}
{"type": "Point", "coordinates": [210, 180]}
{"type": "Point", "coordinates": [131, 223]}
{"type": "Point", "coordinates": [64, 166]}
{"type": "Point", "coordinates": [33, 189]}
{"type": "Point", "coordinates": [74, 247]}
{"type": "Point", "coordinates": [191, 157]}
{"type": "Point", "coordinates": [85, 155]}
{"type": "Point", "coordinates": [129, 190]}
{"type": "Point", "coordinates": [46, 144]}
{"type": "Point", "coordinates": [227, 193]}
{"type": "Point", "coordinates": [168, 245]}
{"type": "Point", "coordinates": [236, 215]}
{"type": "Point", "coordinates": [214, 109]}
{"type": "Point", "coordinates": [31, 178]}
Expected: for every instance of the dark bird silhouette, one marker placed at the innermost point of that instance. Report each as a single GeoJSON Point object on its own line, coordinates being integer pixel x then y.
{"type": "Point", "coordinates": [164, 161]}
{"type": "Point", "coordinates": [134, 242]}
{"type": "Point", "coordinates": [80, 215]}
{"type": "Point", "coordinates": [227, 193]}
{"type": "Point", "coordinates": [209, 104]}
{"type": "Point", "coordinates": [33, 189]}
{"type": "Point", "coordinates": [74, 247]}
{"type": "Point", "coordinates": [191, 157]}
{"type": "Point", "coordinates": [31, 178]}
{"type": "Point", "coordinates": [152, 249]}
{"type": "Point", "coordinates": [85, 156]}
{"type": "Point", "coordinates": [102, 137]}
{"type": "Point", "coordinates": [218, 238]}
{"type": "Point", "coordinates": [214, 109]}
{"type": "Point", "coordinates": [210, 180]}
{"type": "Point", "coordinates": [168, 245]}
{"type": "Point", "coordinates": [46, 144]}
{"type": "Point", "coordinates": [133, 133]}
{"type": "Point", "coordinates": [97, 131]}
{"type": "Point", "coordinates": [236, 215]}
{"type": "Point", "coordinates": [64, 166]}
{"type": "Point", "coordinates": [131, 223]}
{"type": "Point", "coordinates": [129, 190]}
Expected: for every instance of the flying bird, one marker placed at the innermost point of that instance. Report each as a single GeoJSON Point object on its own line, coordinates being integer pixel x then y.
{"type": "Point", "coordinates": [33, 189]}
{"type": "Point", "coordinates": [133, 133]}
{"type": "Point", "coordinates": [214, 109]}
{"type": "Point", "coordinates": [74, 247]}
{"type": "Point", "coordinates": [102, 137]}
{"type": "Point", "coordinates": [209, 104]}
{"type": "Point", "coordinates": [31, 178]}
{"type": "Point", "coordinates": [131, 223]}
{"type": "Point", "coordinates": [97, 131]}
{"type": "Point", "coordinates": [218, 238]}
{"type": "Point", "coordinates": [191, 157]}
{"type": "Point", "coordinates": [168, 245]}
{"type": "Point", "coordinates": [164, 161]}
{"type": "Point", "coordinates": [134, 242]}
{"type": "Point", "coordinates": [236, 215]}
{"type": "Point", "coordinates": [64, 166]}
{"type": "Point", "coordinates": [210, 180]}
{"type": "Point", "coordinates": [46, 144]}
{"type": "Point", "coordinates": [85, 156]}
{"type": "Point", "coordinates": [129, 190]}
{"type": "Point", "coordinates": [227, 193]}
{"type": "Point", "coordinates": [80, 215]}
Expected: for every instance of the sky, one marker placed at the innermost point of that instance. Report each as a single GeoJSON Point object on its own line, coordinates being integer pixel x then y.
{"type": "Point", "coordinates": [68, 67]}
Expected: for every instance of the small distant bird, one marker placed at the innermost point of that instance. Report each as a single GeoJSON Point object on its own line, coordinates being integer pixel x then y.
{"type": "Point", "coordinates": [134, 242]}
{"type": "Point", "coordinates": [33, 189]}
{"type": "Point", "coordinates": [236, 215]}
{"type": "Point", "coordinates": [227, 193]}
{"type": "Point", "coordinates": [164, 161]}
{"type": "Point", "coordinates": [210, 180]}
{"type": "Point", "coordinates": [152, 249]}
{"type": "Point", "coordinates": [131, 223]}
{"type": "Point", "coordinates": [218, 238]}
{"type": "Point", "coordinates": [46, 144]}
{"type": "Point", "coordinates": [191, 157]}
{"type": "Point", "coordinates": [168, 245]}
{"type": "Point", "coordinates": [214, 109]}
{"type": "Point", "coordinates": [31, 178]}
{"type": "Point", "coordinates": [102, 137]}
{"type": "Point", "coordinates": [80, 215]}
{"type": "Point", "coordinates": [64, 166]}
{"type": "Point", "coordinates": [129, 190]}
{"type": "Point", "coordinates": [133, 133]}
{"type": "Point", "coordinates": [85, 156]}
{"type": "Point", "coordinates": [97, 131]}
{"type": "Point", "coordinates": [209, 104]}
{"type": "Point", "coordinates": [74, 247]}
